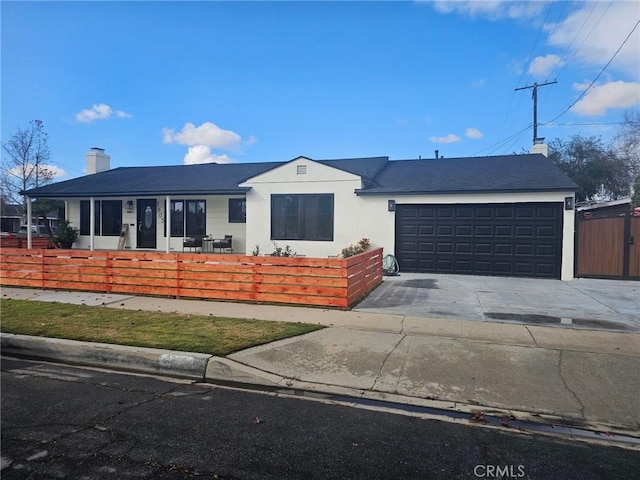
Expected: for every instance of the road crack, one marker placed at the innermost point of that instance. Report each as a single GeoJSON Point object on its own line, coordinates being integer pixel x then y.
{"type": "Point", "coordinates": [564, 382]}
{"type": "Point", "coordinates": [532, 337]}
{"type": "Point", "coordinates": [385, 361]}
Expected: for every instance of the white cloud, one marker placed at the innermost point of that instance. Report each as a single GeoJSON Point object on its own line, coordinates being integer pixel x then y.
{"type": "Point", "coordinates": [601, 98]}
{"type": "Point", "coordinates": [208, 134]}
{"type": "Point", "coordinates": [474, 133]}
{"type": "Point", "coordinates": [100, 111]}
{"type": "Point", "coordinates": [56, 171]}
{"type": "Point", "coordinates": [202, 154]}
{"type": "Point", "coordinates": [543, 66]}
{"type": "Point", "coordinates": [451, 138]}
{"type": "Point", "coordinates": [597, 30]}
{"type": "Point", "coordinates": [492, 9]}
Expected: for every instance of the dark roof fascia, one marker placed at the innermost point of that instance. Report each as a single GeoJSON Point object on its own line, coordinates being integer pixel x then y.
{"type": "Point", "coordinates": [139, 194]}
{"type": "Point", "coordinates": [362, 192]}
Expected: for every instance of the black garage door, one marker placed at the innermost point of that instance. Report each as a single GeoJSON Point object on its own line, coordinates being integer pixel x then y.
{"type": "Point", "coordinates": [513, 239]}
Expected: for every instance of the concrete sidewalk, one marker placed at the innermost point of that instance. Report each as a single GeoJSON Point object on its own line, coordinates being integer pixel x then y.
{"type": "Point", "coordinates": [586, 378]}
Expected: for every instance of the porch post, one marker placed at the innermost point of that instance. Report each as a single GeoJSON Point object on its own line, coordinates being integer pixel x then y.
{"type": "Point", "coordinates": [29, 233]}
{"type": "Point", "coordinates": [92, 223]}
{"type": "Point", "coordinates": [167, 216]}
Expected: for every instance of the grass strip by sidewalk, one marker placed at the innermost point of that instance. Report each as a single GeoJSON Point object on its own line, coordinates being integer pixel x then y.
{"type": "Point", "coordinates": [190, 333]}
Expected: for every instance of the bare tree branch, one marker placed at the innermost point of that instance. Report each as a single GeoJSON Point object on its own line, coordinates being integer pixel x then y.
{"type": "Point", "coordinates": [25, 162]}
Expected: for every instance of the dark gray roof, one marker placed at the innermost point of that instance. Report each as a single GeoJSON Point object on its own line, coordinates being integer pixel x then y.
{"type": "Point", "coordinates": [381, 176]}
{"type": "Point", "coordinates": [10, 210]}
{"type": "Point", "coordinates": [506, 173]}
{"type": "Point", "coordinates": [203, 179]}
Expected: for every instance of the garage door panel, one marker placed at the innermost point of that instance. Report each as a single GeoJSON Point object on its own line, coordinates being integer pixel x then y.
{"type": "Point", "coordinates": [525, 231]}
{"type": "Point", "coordinates": [464, 248]}
{"type": "Point", "coordinates": [426, 247]}
{"type": "Point", "coordinates": [503, 249]}
{"type": "Point", "coordinates": [504, 231]}
{"type": "Point", "coordinates": [444, 247]}
{"type": "Point", "coordinates": [426, 212]}
{"type": "Point", "coordinates": [486, 239]}
{"type": "Point", "coordinates": [525, 213]}
{"type": "Point", "coordinates": [409, 230]}
{"type": "Point", "coordinates": [483, 248]}
{"type": "Point", "coordinates": [484, 231]}
{"type": "Point", "coordinates": [426, 230]}
{"type": "Point", "coordinates": [524, 249]}
{"type": "Point", "coordinates": [463, 231]}
{"type": "Point", "coordinates": [546, 232]}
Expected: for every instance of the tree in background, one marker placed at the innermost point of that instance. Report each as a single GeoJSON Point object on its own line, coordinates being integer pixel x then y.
{"type": "Point", "coordinates": [628, 144]}
{"type": "Point", "coordinates": [596, 168]}
{"type": "Point", "coordinates": [627, 141]}
{"type": "Point", "coordinates": [635, 199]}
{"type": "Point", "coordinates": [25, 163]}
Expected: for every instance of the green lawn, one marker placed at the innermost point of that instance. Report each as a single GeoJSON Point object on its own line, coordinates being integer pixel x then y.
{"type": "Point", "coordinates": [191, 333]}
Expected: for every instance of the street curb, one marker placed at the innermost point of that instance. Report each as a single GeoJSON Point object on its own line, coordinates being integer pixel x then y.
{"type": "Point", "coordinates": [226, 372]}
{"type": "Point", "coordinates": [138, 359]}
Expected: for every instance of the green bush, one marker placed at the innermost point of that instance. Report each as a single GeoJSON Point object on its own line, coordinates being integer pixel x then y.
{"type": "Point", "coordinates": [360, 247]}
{"type": "Point", "coordinates": [66, 235]}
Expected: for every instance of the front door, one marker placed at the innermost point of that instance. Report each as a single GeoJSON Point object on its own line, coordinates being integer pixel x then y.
{"type": "Point", "coordinates": [146, 237]}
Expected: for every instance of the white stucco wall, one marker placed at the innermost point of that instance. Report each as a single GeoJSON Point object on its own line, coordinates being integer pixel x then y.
{"type": "Point", "coordinates": [217, 221]}
{"type": "Point", "coordinates": [319, 178]}
{"type": "Point", "coordinates": [375, 213]}
{"type": "Point", "coordinates": [355, 216]}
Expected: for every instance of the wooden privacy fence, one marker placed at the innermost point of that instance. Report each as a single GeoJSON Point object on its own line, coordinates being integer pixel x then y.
{"type": "Point", "coordinates": [21, 242]}
{"type": "Point", "coordinates": [331, 282]}
{"type": "Point", "coordinates": [608, 247]}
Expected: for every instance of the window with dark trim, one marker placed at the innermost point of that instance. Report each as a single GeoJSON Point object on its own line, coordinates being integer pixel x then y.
{"type": "Point", "coordinates": [237, 210]}
{"type": "Point", "coordinates": [111, 218]}
{"type": "Point", "coordinates": [302, 217]}
{"type": "Point", "coordinates": [177, 218]}
{"type": "Point", "coordinates": [188, 218]}
{"type": "Point", "coordinates": [108, 217]}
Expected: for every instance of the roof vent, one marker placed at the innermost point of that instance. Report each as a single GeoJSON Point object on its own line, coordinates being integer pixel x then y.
{"type": "Point", "coordinates": [301, 169]}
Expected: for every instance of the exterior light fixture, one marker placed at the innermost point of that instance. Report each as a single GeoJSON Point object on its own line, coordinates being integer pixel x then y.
{"type": "Point", "coordinates": [129, 206]}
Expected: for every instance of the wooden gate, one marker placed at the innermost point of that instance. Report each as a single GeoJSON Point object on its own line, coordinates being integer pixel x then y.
{"type": "Point", "coordinates": [608, 247]}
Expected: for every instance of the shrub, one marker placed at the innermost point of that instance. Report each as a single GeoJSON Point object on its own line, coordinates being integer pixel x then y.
{"type": "Point", "coordinates": [66, 235]}
{"type": "Point", "coordinates": [282, 252]}
{"type": "Point", "coordinates": [362, 245]}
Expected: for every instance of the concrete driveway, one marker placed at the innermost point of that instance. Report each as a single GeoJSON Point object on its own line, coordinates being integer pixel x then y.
{"type": "Point", "coordinates": [581, 303]}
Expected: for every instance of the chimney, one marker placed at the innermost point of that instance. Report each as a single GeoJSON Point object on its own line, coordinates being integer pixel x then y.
{"type": "Point", "coordinates": [97, 161]}
{"type": "Point", "coordinates": [540, 147]}
{"type": "Point", "coordinates": [437, 152]}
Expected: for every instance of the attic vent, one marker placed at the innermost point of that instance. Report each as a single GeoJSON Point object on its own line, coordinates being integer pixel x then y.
{"type": "Point", "coordinates": [301, 169]}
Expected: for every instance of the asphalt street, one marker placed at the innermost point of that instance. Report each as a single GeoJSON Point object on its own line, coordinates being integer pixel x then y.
{"type": "Point", "coordinates": [60, 421]}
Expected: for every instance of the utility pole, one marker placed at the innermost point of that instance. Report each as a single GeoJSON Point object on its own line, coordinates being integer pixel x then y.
{"type": "Point", "coordinates": [535, 104]}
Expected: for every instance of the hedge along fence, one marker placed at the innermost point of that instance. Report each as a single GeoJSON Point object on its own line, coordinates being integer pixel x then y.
{"type": "Point", "coordinates": [330, 282]}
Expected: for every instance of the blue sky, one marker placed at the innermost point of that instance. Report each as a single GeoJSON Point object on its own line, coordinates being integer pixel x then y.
{"type": "Point", "coordinates": [166, 83]}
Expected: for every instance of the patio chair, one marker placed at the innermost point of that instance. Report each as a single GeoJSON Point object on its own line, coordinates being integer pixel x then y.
{"type": "Point", "coordinates": [192, 243]}
{"type": "Point", "coordinates": [225, 243]}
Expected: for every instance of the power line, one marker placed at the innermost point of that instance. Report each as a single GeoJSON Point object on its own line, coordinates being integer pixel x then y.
{"type": "Point", "coordinates": [597, 76]}
{"type": "Point", "coordinates": [582, 124]}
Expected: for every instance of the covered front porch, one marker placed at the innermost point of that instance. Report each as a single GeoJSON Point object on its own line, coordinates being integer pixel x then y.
{"type": "Point", "coordinates": [170, 223]}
